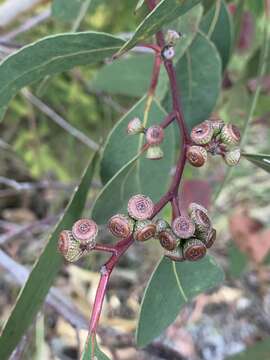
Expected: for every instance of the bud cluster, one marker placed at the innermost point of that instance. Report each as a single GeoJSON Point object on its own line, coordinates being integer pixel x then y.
{"type": "Point", "coordinates": [79, 241]}
{"type": "Point", "coordinates": [194, 235]}
{"type": "Point", "coordinates": [154, 137]}
{"type": "Point", "coordinates": [217, 138]}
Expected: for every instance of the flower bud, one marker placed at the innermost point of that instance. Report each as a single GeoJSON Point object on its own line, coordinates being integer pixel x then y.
{"type": "Point", "coordinates": [194, 250]}
{"type": "Point", "coordinates": [168, 52]}
{"type": "Point", "coordinates": [183, 227]}
{"type": "Point", "coordinates": [232, 157]}
{"type": "Point", "coordinates": [135, 127]}
{"type": "Point", "coordinates": [144, 230]}
{"type": "Point", "coordinates": [168, 240]}
{"type": "Point", "coordinates": [85, 231]}
{"type": "Point", "coordinates": [154, 135]}
{"type": "Point", "coordinates": [69, 247]}
{"type": "Point", "coordinates": [172, 36]}
{"type": "Point", "coordinates": [202, 221]}
{"type": "Point", "coordinates": [121, 225]}
{"type": "Point", "coordinates": [175, 255]}
{"type": "Point", "coordinates": [202, 134]}
{"type": "Point", "coordinates": [210, 238]}
{"type": "Point", "coordinates": [230, 134]}
{"type": "Point", "coordinates": [154, 153]}
{"type": "Point", "coordinates": [196, 155]}
{"type": "Point", "coordinates": [217, 125]}
{"type": "Point", "coordinates": [162, 225]}
{"type": "Point", "coordinates": [140, 207]}
{"type": "Point", "coordinates": [194, 206]}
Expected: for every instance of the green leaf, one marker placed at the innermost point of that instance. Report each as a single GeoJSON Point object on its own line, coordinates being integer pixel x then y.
{"type": "Point", "coordinates": [52, 55]}
{"type": "Point", "coordinates": [40, 280]}
{"type": "Point", "coordinates": [199, 77]}
{"type": "Point", "coordinates": [125, 172]}
{"type": "Point", "coordinates": [87, 353]}
{"type": "Point", "coordinates": [217, 25]}
{"type": "Point", "coordinates": [126, 76]}
{"type": "Point", "coordinates": [165, 12]}
{"type": "Point", "coordinates": [170, 287]}
{"type": "Point", "coordinates": [187, 25]}
{"type": "Point", "coordinates": [260, 160]}
{"type": "Point", "coordinates": [260, 351]}
{"type": "Point", "coordinates": [257, 7]}
{"type": "Point", "coordinates": [66, 11]}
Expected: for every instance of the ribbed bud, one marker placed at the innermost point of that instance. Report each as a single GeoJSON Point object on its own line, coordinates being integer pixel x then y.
{"type": "Point", "coordinates": [168, 240]}
{"type": "Point", "coordinates": [194, 206]}
{"type": "Point", "coordinates": [168, 52]}
{"type": "Point", "coordinates": [217, 126]}
{"type": "Point", "coordinates": [162, 225]}
{"type": "Point", "coordinates": [202, 221]}
{"type": "Point", "coordinates": [183, 227]}
{"type": "Point", "coordinates": [171, 37]}
{"type": "Point", "coordinates": [194, 250]}
{"type": "Point", "coordinates": [121, 225]}
{"type": "Point", "coordinates": [154, 153]}
{"type": "Point", "coordinates": [230, 134]}
{"type": "Point", "coordinates": [196, 155]}
{"type": "Point", "coordinates": [210, 238]}
{"type": "Point", "coordinates": [135, 127]}
{"type": "Point", "coordinates": [175, 255]}
{"type": "Point", "coordinates": [85, 231]}
{"type": "Point", "coordinates": [144, 230]}
{"type": "Point", "coordinates": [69, 247]}
{"type": "Point", "coordinates": [140, 207]}
{"type": "Point", "coordinates": [232, 157]}
{"type": "Point", "coordinates": [202, 134]}
{"type": "Point", "coordinates": [154, 135]}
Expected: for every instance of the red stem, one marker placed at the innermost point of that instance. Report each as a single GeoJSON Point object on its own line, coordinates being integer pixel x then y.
{"type": "Point", "coordinates": [172, 194]}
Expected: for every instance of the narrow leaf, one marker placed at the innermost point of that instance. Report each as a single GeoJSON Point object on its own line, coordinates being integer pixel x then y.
{"type": "Point", "coordinates": [165, 12]}
{"type": "Point", "coordinates": [52, 55]}
{"type": "Point", "coordinates": [260, 160]}
{"type": "Point", "coordinates": [217, 25]}
{"type": "Point", "coordinates": [44, 271]}
{"type": "Point", "coordinates": [199, 77]}
{"type": "Point", "coordinates": [170, 287]}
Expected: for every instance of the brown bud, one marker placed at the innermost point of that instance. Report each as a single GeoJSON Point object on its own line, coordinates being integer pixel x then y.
{"type": "Point", "coordinates": [85, 231]}
{"type": "Point", "coordinates": [217, 125]}
{"type": "Point", "coordinates": [168, 240]}
{"type": "Point", "coordinates": [202, 133]}
{"type": "Point", "coordinates": [230, 134]}
{"type": "Point", "coordinates": [69, 247]}
{"type": "Point", "coordinates": [196, 155]}
{"type": "Point", "coordinates": [135, 127]}
{"type": "Point", "coordinates": [210, 238]}
{"type": "Point", "coordinates": [144, 230]}
{"type": "Point", "coordinates": [140, 207]}
{"type": "Point", "coordinates": [183, 227]}
{"type": "Point", "coordinates": [154, 135]}
{"type": "Point", "coordinates": [194, 206]}
{"type": "Point", "coordinates": [232, 157]}
{"type": "Point", "coordinates": [121, 225]}
{"type": "Point", "coordinates": [201, 220]}
{"type": "Point", "coordinates": [175, 255]}
{"type": "Point", "coordinates": [194, 250]}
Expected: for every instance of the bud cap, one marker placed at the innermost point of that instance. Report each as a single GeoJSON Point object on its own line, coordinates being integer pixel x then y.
{"type": "Point", "coordinates": [140, 207]}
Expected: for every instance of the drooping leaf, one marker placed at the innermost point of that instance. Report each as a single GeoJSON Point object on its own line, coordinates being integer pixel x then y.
{"type": "Point", "coordinates": [259, 350]}
{"type": "Point", "coordinates": [44, 271]}
{"type": "Point", "coordinates": [199, 77]}
{"type": "Point", "coordinates": [218, 26]}
{"type": "Point", "coordinates": [170, 287]}
{"type": "Point", "coordinates": [165, 12]}
{"type": "Point", "coordinates": [260, 160]}
{"type": "Point", "coordinates": [50, 56]}
{"type": "Point", "coordinates": [126, 76]}
{"type": "Point", "coordinates": [67, 11]}
{"type": "Point", "coordinates": [120, 148]}
{"type": "Point", "coordinates": [188, 26]}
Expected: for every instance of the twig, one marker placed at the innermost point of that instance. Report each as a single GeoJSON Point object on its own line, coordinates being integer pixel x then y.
{"type": "Point", "coordinates": [55, 299]}
{"type": "Point", "coordinates": [59, 120]}
{"type": "Point", "coordinates": [27, 25]}
{"type": "Point", "coordinates": [11, 9]}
